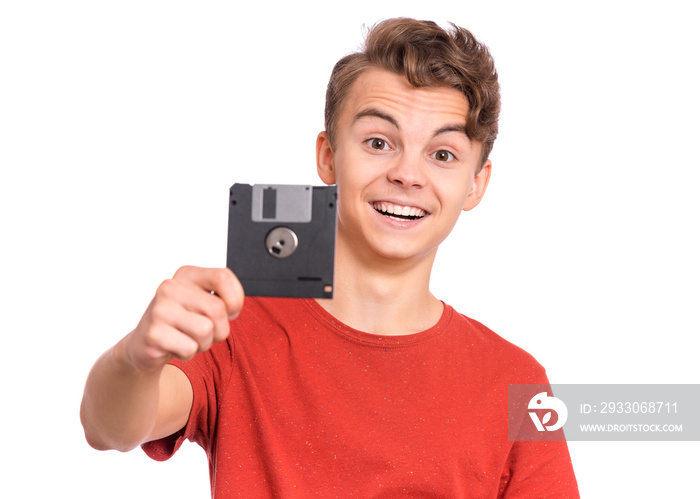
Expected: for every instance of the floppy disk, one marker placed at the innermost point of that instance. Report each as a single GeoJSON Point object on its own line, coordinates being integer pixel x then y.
{"type": "Point", "coordinates": [281, 239]}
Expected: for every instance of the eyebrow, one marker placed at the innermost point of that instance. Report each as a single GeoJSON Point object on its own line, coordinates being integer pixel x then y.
{"type": "Point", "coordinates": [453, 128]}
{"type": "Point", "coordinates": [375, 113]}
{"type": "Point", "coordinates": [371, 112]}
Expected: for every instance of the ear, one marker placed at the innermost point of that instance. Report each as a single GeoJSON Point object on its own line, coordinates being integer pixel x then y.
{"type": "Point", "coordinates": [481, 181]}
{"type": "Point", "coordinates": [325, 159]}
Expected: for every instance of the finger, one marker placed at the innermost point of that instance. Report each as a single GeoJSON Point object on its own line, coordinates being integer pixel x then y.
{"type": "Point", "coordinates": [223, 282]}
{"type": "Point", "coordinates": [186, 306]}
{"type": "Point", "coordinates": [200, 327]}
{"type": "Point", "coordinates": [173, 341]}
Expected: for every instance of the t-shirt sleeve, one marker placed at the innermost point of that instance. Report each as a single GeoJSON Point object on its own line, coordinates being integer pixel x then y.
{"type": "Point", "coordinates": [208, 374]}
{"type": "Point", "coordinates": [539, 468]}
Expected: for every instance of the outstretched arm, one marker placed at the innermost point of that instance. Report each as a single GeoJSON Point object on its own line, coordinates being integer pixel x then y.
{"type": "Point", "coordinates": [132, 395]}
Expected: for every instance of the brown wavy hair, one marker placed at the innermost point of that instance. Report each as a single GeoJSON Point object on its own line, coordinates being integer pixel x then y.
{"type": "Point", "coordinates": [427, 56]}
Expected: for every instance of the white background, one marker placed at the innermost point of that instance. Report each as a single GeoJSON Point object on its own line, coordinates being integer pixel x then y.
{"type": "Point", "coordinates": [122, 125]}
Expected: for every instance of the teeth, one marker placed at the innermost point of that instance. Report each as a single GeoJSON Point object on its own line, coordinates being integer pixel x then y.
{"type": "Point", "coordinates": [393, 209]}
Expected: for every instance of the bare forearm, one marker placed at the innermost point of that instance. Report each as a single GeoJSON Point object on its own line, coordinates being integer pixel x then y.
{"type": "Point", "coordinates": [120, 404]}
{"type": "Point", "coordinates": [132, 394]}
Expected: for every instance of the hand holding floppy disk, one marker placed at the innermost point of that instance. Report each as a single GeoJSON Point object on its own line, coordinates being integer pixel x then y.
{"type": "Point", "coordinates": [281, 239]}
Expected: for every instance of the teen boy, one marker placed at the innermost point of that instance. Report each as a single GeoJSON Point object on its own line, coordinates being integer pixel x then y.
{"type": "Point", "coordinates": [383, 391]}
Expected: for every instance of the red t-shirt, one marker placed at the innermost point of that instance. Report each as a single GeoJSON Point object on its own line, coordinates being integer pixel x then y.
{"type": "Point", "coordinates": [297, 404]}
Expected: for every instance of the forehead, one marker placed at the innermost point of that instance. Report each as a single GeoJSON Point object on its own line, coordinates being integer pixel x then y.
{"type": "Point", "coordinates": [390, 92]}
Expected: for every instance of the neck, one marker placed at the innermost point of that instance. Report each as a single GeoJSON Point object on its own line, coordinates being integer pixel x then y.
{"type": "Point", "coordinates": [383, 297]}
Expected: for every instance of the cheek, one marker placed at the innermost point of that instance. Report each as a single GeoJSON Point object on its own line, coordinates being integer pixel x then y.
{"type": "Point", "coordinates": [454, 191]}
{"type": "Point", "coordinates": [354, 176]}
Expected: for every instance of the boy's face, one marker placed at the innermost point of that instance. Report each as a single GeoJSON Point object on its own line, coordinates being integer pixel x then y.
{"type": "Point", "coordinates": [404, 166]}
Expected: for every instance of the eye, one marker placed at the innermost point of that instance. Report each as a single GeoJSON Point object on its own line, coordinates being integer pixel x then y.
{"type": "Point", "coordinates": [378, 144]}
{"type": "Point", "coordinates": [443, 155]}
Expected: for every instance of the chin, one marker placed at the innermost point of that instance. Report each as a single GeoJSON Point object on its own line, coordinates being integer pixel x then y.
{"type": "Point", "coordinates": [401, 253]}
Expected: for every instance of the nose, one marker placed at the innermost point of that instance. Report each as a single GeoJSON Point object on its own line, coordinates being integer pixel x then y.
{"type": "Point", "coordinates": [407, 172]}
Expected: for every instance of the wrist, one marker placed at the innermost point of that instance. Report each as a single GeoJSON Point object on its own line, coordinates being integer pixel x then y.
{"type": "Point", "coordinates": [124, 361]}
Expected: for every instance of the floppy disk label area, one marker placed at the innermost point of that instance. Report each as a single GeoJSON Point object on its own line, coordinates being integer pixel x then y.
{"type": "Point", "coordinates": [281, 239]}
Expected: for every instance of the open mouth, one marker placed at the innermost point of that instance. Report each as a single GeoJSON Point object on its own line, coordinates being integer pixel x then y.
{"type": "Point", "coordinates": [398, 212]}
